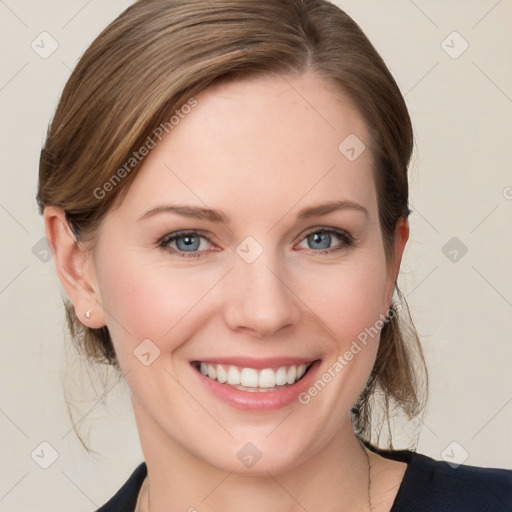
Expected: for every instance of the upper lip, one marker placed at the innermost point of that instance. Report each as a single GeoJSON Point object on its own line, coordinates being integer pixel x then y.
{"type": "Point", "coordinates": [253, 362]}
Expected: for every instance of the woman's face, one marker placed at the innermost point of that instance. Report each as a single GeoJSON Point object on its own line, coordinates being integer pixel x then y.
{"type": "Point", "coordinates": [249, 241]}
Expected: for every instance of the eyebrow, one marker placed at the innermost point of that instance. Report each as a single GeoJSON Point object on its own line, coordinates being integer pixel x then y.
{"type": "Point", "coordinates": [220, 217]}
{"type": "Point", "coordinates": [325, 208]}
{"type": "Point", "coordinates": [188, 211]}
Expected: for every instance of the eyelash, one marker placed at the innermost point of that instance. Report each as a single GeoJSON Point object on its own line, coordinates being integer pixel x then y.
{"type": "Point", "coordinates": [347, 241]}
{"type": "Point", "coordinates": [171, 237]}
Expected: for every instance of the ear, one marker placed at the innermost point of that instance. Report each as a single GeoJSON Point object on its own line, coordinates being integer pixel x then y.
{"type": "Point", "coordinates": [401, 237]}
{"type": "Point", "coordinates": [75, 268]}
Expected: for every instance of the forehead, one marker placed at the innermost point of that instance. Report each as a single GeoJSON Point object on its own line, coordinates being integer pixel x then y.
{"type": "Point", "coordinates": [268, 140]}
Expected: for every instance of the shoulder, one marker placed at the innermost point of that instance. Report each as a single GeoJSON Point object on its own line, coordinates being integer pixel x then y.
{"type": "Point", "coordinates": [431, 485]}
{"type": "Point", "coordinates": [126, 498]}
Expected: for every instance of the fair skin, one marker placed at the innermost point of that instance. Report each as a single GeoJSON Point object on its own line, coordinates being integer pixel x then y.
{"type": "Point", "coordinates": [258, 152]}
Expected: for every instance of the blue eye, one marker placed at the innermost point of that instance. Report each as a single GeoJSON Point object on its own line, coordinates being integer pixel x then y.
{"type": "Point", "coordinates": [193, 244]}
{"type": "Point", "coordinates": [188, 243]}
{"type": "Point", "coordinates": [319, 241]}
{"type": "Point", "coordinates": [326, 240]}
{"type": "Point", "coordinates": [185, 243]}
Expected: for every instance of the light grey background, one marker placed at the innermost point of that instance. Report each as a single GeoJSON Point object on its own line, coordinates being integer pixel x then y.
{"type": "Point", "coordinates": [461, 186]}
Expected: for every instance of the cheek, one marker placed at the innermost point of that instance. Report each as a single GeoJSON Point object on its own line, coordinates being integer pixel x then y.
{"type": "Point", "coordinates": [348, 298]}
{"type": "Point", "coordinates": [152, 302]}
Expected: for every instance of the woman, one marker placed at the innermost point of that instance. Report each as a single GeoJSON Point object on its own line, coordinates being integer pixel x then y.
{"type": "Point", "coordinates": [224, 185]}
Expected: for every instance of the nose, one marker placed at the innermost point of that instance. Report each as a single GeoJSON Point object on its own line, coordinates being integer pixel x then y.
{"type": "Point", "coordinates": [259, 298]}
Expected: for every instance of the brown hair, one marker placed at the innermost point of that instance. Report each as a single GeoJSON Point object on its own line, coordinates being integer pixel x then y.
{"type": "Point", "coordinates": [153, 59]}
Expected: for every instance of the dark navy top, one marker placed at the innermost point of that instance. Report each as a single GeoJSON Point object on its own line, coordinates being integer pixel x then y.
{"type": "Point", "coordinates": [428, 485]}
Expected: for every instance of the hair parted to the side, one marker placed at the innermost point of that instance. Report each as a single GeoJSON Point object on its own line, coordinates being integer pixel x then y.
{"type": "Point", "coordinates": [153, 59]}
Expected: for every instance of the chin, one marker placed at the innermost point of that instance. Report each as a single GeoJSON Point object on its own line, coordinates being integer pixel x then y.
{"type": "Point", "coordinates": [255, 455]}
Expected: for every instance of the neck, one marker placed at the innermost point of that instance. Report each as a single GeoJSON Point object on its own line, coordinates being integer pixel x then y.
{"type": "Point", "coordinates": [335, 478]}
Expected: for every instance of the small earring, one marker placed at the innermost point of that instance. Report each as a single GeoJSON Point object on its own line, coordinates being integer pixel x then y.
{"type": "Point", "coordinates": [87, 314]}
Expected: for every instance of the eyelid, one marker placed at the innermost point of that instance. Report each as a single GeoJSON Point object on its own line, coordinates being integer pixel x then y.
{"type": "Point", "coordinates": [325, 229]}
{"type": "Point", "coordinates": [347, 240]}
{"type": "Point", "coordinates": [184, 232]}
{"type": "Point", "coordinates": [165, 240]}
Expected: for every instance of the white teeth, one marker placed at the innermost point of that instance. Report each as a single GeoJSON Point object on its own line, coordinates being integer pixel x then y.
{"type": "Point", "coordinates": [281, 376]}
{"type": "Point", "coordinates": [250, 379]}
{"type": "Point", "coordinates": [233, 376]}
{"type": "Point", "coordinates": [292, 375]}
{"type": "Point", "coordinates": [267, 378]}
{"type": "Point", "coordinates": [301, 370]}
{"type": "Point", "coordinates": [212, 373]}
{"type": "Point", "coordinates": [222, 376]}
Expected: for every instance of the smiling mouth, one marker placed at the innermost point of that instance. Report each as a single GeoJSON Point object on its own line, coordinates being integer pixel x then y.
{"type": "Point", "coordinates": [251, 379]}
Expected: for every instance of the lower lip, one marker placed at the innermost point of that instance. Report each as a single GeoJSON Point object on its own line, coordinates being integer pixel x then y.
{"type": "Point", "coordinates": [260, 401]}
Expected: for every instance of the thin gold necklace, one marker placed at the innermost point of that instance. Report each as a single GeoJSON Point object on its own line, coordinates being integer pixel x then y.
{"type": "Point", "coordinates": [370, 505]}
